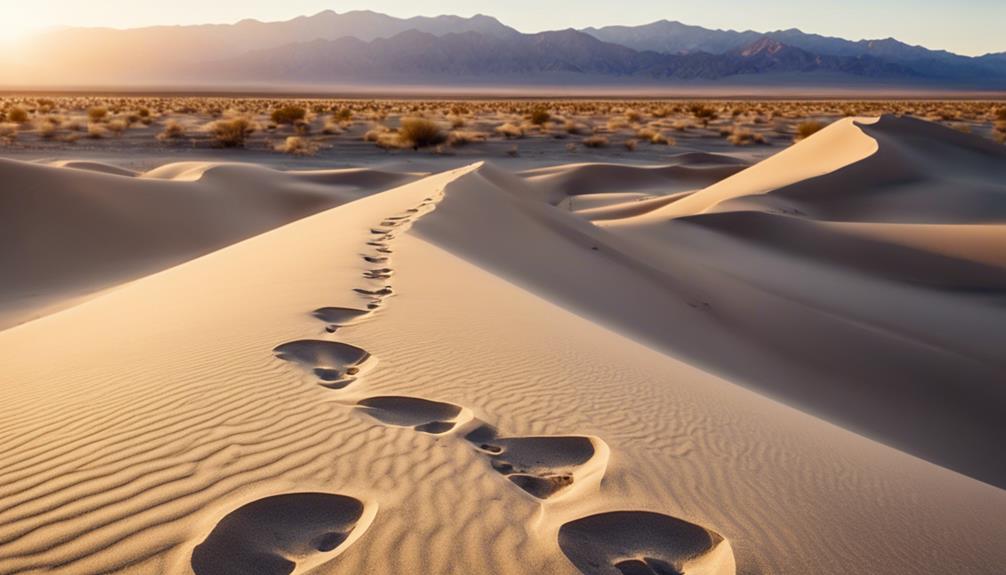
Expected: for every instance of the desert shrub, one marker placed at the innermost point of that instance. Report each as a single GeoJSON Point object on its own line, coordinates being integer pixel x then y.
{"type": "Point", "coordinates": [633, 116]}
{"type": "Point", "coordinates": [540, 116]}
{"type": "Point", "coordinates": [459, 138]}
{"type": "Point", "coordinates": [574, 128]}
{"type": "Point", "coordinates": [595, 142]}
{"type": "Point", "coordinates": [1001, 114]}
{"type": "Point", "coordinates": [298, 146]}
{"type": "Point", "coordinates": [631, 144]}
{"type": "Point", "coordinates": [343, 115]}
{"type": "Point", "coordinates": [17, 115]}
{"type": "Point", "coordinates": [509, 131]}
{"type": "Point", "coordinates": [232, 133]}
{"type": "Point", "coordinates": [96, 131]}
{"type": "Point", "coordinates": [47, 129]}
{"type": "Point", "coordinates": [97, 114]}
{"type": "Point", "coordinates": [288, 114]}
{"type": "Point", "coordinates": [808, 128]}
{"type": "Point", "coordinates": [117, 126]}
{"type": "Point", "coordinates": [663, 139]}
{"type": "Point", "coordinates": [421, 133]}
{"type": "Point", "coordinates": [703, 112]}
{"type": "Point", "coordinates": [172, 130]}
{"type": "Point", "coordinates": [741, 137]}
{"type": "Point", "coordinates": [8, 131]}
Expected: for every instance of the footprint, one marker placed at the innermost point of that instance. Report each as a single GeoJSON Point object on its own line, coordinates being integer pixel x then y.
{"type": "Point", "coordinates": [336, 364]}
{"type": "Point", "coordinates": [282, 534]}
{"type": "Point", "coordinates": [434, 417]}
{"type": "Point", "coordinates": [375, 259]}
{"type": "Point", "coordinates": [378, 274]}
{"type": "Point", "coordinates": [337, 317]}
{"type": "Point", "coordinates": [543, 466]}
{"type": "Point", "coordinates": [644, 543]}
{"type": "Point", "coordinates": [381, 232]}
{"type": "Point", "coordinates": [382, 292]}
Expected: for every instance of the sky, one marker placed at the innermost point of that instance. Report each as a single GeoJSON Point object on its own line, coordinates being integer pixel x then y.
{"type": "Point", "coordinates": [971, 27]}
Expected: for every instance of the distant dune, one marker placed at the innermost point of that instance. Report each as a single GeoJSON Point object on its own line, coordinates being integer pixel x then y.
{"type": "Point", "coordinates": [598, 369]}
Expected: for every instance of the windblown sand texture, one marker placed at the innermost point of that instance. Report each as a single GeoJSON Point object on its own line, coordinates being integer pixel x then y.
{"type": "Point", "coordinates": [594, 369]}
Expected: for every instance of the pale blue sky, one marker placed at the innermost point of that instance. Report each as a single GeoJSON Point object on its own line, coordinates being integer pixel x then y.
{"type": "Point", "coordinates": [963, 26]}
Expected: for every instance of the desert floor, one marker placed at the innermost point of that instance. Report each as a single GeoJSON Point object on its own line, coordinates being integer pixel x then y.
{"type": "Point", "coordinates": [693, 358]}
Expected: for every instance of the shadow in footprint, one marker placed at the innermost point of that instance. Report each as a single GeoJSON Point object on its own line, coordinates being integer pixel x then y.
{"type": "Point", "coordinates": [542, 466]}
{"type": "Point", "coordinates": [337, 317]}
{"type": "Point", "coordinates": [434, 417]}
{"type": "Point", "coordinates": [335, 363]}
{"type": "Point", "coordinates": [644, 543]}
{"type": "Point", "coordinates": [375, 259]}
{"type": "Point", "coordinates": [384, 291]}
{"type": "Point", "coordinates": [378, 274]}
{"type": "Point", "coordinates": [281, 534]}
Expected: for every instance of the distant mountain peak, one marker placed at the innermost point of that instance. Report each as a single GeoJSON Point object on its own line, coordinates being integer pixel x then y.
{"type": "Point", "coordinates": [764, 45]}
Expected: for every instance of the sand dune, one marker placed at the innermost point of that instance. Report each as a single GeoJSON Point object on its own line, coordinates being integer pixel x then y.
{"type": "Point", "coordinates": [81, 227]}
{"type": "Point", "coordinates": [454, 376]}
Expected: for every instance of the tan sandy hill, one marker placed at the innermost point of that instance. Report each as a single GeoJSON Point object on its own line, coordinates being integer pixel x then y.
{"type": "Point", "coordinates": [75, 228]}
{"type": "Point", "coordinates": [454, 376]}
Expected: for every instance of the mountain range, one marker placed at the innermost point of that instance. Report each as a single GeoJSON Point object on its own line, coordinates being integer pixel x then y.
{"type": "Point", "coordinates": [366, 47]}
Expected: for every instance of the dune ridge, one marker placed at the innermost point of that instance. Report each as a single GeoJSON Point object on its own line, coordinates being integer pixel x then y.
{"type": "Point", "coordinates": [83, 227]}
{"type": "Point", "coordinates": [522, 410]}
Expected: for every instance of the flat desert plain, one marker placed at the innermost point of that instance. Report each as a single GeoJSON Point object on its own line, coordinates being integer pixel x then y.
{"type": "Point", "coordinates": [710, 364]}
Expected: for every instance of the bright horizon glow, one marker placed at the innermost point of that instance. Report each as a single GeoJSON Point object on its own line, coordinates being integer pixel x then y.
{"type": "Point", "coordinates": [971, 28]}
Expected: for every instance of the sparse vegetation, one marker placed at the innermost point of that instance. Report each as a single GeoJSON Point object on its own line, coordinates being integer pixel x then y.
{"type": "Point", "coordinates": [808, 128]}
{"type": "Point", "coordinates": [421, 133]}
{"type": "Point", "coordinates": [597, 123]}
{"type": "Point", "coordinates": [17, 115]}
{"type": "Point", "coordinates": [232, 133]}
{"type": "Point", "coordinates": [298, 146]}
{"type": "Point", "coordinates": [288, 115]}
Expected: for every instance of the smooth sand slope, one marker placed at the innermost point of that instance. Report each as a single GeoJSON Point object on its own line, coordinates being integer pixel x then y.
{"type": "Point", "coordinates": [76, 228]}
{"type": "Point", "coordinates": [454, 376]}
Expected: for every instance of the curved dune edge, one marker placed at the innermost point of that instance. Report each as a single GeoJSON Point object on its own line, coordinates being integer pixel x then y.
{"type": "Point", "coordinates": [114, 225]}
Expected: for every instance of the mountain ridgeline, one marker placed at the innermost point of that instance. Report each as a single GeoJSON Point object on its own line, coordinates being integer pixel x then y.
{"type": "Point", "coordinates": [367, 47]}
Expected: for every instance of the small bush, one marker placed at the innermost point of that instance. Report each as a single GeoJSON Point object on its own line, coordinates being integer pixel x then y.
{"type": "Point", "coordinates": [595, 142]}
{"type": "Point", "coordinates": [17, 115]}
{"type": "Point", "coordinates": [510, 131]}
{"type": "Point", "coordinates": [459, 138]}
{"type": "Point", "coordinates": [421, 133]}
{"type": "Point", "coordinates": [288, 114]}
{"type": "Point", "coordinates": [298, 146]}
{"type": "Point", "coordinates": [745, 137]}
{"type": "Point", "coordinates": [661, 139]}
{"type": "Point", "coordinates": [96, 131]}
{"type": "Point", "coordinates": [117, 126]}
{"type": "Point", "coordinates": [232, 133]}
{"type": "Point", "coordinates": [172, 130]}
{"type": "Point", "coordinates": [540, 116]}
{"type": "Point", "coordinates": [97, 114]}
{"type": "Point", "coordinates": [631, 144]}
{"type": "Point", "coordinates": [808, 128]}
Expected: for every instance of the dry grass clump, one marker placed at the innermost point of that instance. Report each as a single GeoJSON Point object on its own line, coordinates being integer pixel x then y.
{"type": "Point", "coordinates": [420, 133]}
{"type": "Point", "coordinates": [659, 138]}
{"type": "Point", "coordinates": [288, 115]}
{"type": "Point", "coordinates": [117, 126]}
{"type": "Point", "coordinates": [17, 115]}
{"type": "Point", "coordinates": [595, 142]}
{"type": "Point", "coordinates": [540, 116]}
{"type": "Point", "coordinates": [510, 131]}
{"type": "Point", "coordinates": [742, 137]}
{"type": "Point", "coordinates": [808, 128]}
{"type": "Point", "coordinates": [298, 146]}
{"type": "Point", "coordinates": [172, 131]}
{"type": "Point", "coordinates": [96, 131]}
{"type": "Point", "coordinates": [97, 114]}
{"type": "Point", "coordinates": [459, 138]}
{"type": "Point", "coordinates": [232, 133]}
